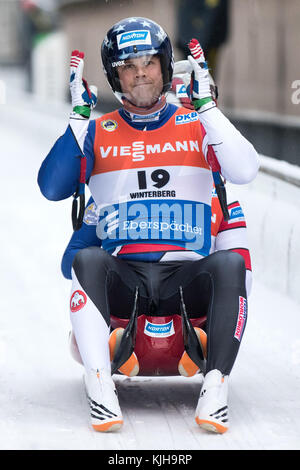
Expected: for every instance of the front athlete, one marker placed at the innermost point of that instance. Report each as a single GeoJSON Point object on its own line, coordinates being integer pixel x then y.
{"type": "Point", "coordinates": [148, 166]}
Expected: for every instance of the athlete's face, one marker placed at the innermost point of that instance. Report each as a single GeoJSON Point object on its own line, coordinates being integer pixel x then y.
{"type": "Point", "coordinates": [141, 80]}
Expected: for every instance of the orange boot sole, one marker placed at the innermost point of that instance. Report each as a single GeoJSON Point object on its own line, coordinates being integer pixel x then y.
{"type": "Point", "coordinates": [131, 366]}
{"type": "Point", "coordinates": [186, 366]}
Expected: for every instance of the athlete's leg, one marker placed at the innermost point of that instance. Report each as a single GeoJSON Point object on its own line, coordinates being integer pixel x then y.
{"type": "Point", "coordinates": [107, 286]}
{"type": "Point", "coordinates": [96, 276]}
{"type": "Point", "coordinates": [213, 286]}
{"type": "Point", "coordinates": [216, 286]}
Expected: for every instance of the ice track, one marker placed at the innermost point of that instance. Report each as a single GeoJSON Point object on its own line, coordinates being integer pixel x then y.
{"type": "Point", "coordinates": [42, 400]}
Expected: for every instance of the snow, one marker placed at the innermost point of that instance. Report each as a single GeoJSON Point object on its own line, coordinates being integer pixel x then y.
{"type": "Point", "coordinates": [42, 400]}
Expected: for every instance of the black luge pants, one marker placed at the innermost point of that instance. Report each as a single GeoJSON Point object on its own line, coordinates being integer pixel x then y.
{"type": "Point", "coordinates": [213, 286]}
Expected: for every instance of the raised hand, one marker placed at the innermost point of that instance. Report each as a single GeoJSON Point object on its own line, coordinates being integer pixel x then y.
{"type": "Point", "coordinates": [200, 91]}
{"type": "Point", "coordinates": [84, 97]}
{"type": "Point", "coordinates": [197, 51]}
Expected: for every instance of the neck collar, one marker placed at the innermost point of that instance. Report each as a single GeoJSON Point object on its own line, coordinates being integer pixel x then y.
{"type": "Point", "coordinates": [136, 114]}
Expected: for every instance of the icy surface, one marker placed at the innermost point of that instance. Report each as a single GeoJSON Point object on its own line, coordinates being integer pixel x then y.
{"type": "Point", "coordinates": [42, 401]}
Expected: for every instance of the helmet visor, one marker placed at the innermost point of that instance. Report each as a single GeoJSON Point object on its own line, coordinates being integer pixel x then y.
{"type": "Point", "coordinates": [141, 79]}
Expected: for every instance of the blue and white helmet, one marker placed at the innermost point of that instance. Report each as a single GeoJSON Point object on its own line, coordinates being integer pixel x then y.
{"type": "Point", "coordinates": [131, 38]}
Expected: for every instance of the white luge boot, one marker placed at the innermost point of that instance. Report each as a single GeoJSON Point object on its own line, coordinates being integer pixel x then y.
{"type": "Point", "coordinates": [103, 401]}
{"type": "Point", "coordinates": [212, 408]}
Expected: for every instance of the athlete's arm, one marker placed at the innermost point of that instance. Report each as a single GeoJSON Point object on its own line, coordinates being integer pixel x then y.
{"type": "Point", "coordinates": [232, 235]}
{"type": "Point", "coordinates": [236, 156]}
{"type": "Point", "coordinates": [59, 173]}
{"type": "Point", "coordinates": [84, 237]}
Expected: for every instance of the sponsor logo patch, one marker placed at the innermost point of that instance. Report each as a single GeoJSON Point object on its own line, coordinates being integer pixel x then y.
{"type": "Point", "coordinates": [183, 223]}
{"type": "Point", "coordinates": [242, 317]}
{"type": "Point", "coordinates": [78, 300]}
{"type": "Point", "coordinates": [118, 63]}
{"type": "Point", "coordinates": [159, 330]}
{"type": "Point", "coordinates": [91, 215]}
{"type": "Point", "coordinates": [109, 125]}
{"type": "Point", "coordinates": [139, 149]}
{"type": "Point", "coordinates": [186, 118]}
{"type": "Point", "coordinates": [214, 193]}
{"type": "Point", "coordinates": [181, 91]}
{"type": "Point", "coordinates": [133, 38]}
{"type": "Point", "coordinates": [236, 215]}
